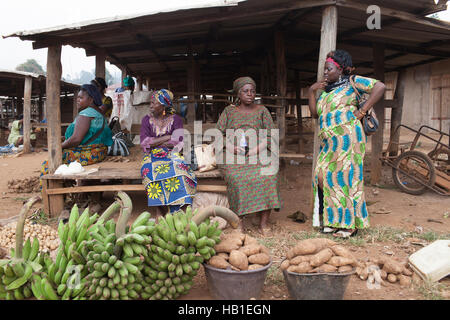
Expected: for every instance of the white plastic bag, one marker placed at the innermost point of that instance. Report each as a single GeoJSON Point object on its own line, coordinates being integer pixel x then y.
{"type": "Point", "coordinates": [206, 158]}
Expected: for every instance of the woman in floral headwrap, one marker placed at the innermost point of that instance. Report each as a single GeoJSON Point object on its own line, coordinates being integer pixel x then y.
{"type": "Point", "coordinates": [168, 179]}
{"type": "Point", "coordinates": [250, 190]}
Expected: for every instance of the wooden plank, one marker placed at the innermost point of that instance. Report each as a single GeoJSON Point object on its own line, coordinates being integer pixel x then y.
{"type": "Point", "coordinates": [125, 187]}
{"type": "Point", "coordinates": [53, 87]}
{"type": "Point", "coordinates": [100, 69]}
{"type": "Point", "coordinates": [56, 202]}
{"type": "Point", "coordinates": [396, 114]}
{"type": "Point", "coordinates": [27, 114]}
{"type": "Point", "coordinates": [281, 71]}
{"type": "Point", "coordinates": [292, 155]}
{"type": "Point", "coordinates": [74, 105]}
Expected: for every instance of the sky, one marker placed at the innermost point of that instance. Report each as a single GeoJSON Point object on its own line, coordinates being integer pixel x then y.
{"type": "Point", "coordinates": [20, 15]}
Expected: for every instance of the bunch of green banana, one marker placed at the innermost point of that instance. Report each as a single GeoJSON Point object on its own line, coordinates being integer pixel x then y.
{"type": "Point", "coordinates": [115, 258]}
{"type": "Point", "coordinates": [65, 277]}
{"type": "Point", "coordinates": [178, 249]}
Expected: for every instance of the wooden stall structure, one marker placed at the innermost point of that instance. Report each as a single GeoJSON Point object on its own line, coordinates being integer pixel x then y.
{"type": "Point", "coordinates": [282, 44]}
{"type": "Point", "coordinates": [25, 92]}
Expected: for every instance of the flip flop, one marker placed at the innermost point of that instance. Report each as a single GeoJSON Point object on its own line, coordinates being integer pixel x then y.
{"type": "Point", "coordinates": [327, 230]}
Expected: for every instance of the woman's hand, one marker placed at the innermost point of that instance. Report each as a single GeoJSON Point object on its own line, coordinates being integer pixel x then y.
{"type": "Point", "coordinates": [358, 114]}
{"type": "Point", "coordinates": [318, 85]}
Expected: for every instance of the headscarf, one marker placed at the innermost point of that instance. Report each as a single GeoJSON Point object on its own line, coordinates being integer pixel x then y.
{"type": "Point", "coordinates": [128, 81]}
{"type": "Point", "coordinates": [100, 82]}
{"type": "Point", "coordinates": [165, 97]}
{"type": "Point", "coordinates": [242, 81]}
{"type": "Point", "coordinates": [93, 92]}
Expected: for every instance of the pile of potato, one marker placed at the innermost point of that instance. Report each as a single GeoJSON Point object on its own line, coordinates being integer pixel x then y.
{"type": "Point", "coordinates": [239, 252]}
{"type": "Point", "coordinates": [48, 237]}
{"type": "Point", "coordinates": [385, 269]}
{"type": "Point", "coordinates": [27, 185]}
{"type": "Point", "coordinates": [318, 255]}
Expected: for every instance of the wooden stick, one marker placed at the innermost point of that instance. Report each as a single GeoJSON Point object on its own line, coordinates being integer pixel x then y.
{"type": "Point", "coordinates": [27, 115]}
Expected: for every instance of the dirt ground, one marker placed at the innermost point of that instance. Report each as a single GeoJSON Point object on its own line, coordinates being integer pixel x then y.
{"type": "Point", "coordinates": [400, 225]}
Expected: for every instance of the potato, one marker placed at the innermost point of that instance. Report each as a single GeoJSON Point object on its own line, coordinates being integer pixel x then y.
{"type": "Point", "coordinates": [391, 266]}
{"type": "Point", "coordinates": [227, 246]}
{"type": "Point", "coordinates": [342, 251]}
{"type": "Point", "coordinates": [251, 249]}
{"type": "Point", "coordinates": [303, 267]}
{"type": "Point", "coordinates": [223, 255]}
{"type": "Point", "coordinates": [259, 258]}
{"type": "Point", "coordinates": [344, 269]}
{"type": "Point", "coordinates": [299, 259]}
{"type": "Point", "coordinates": [255, 266]}
{"type": "Point", "coordinates": [392, 278]}
{"type": "Point", "coordinates": [218, 262]}
{"type": "Point", "coordinates": [325, 268]}
{"type": "Point", "coordinates": [404, 280]}
{"type": "Point", "coordinates": [338, 261]}
{"type": "Point", "coordinates": [285, 264]}
{"type": "Point", "coordinates": [238, 259]}
{"type": "Point", "coordinates": [321, 257]}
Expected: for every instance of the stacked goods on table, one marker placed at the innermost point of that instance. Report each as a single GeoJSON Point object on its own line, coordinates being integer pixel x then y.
{"type": "Point", "coordinates": [47, 236]}
{"type": "Point", "coordinates": [379, 270]}
{"type": "Point", "coordinates": [239, 252]}
{"type": "Point", "coordinates": [319, 255]}
{"type": "Point", "coordinates": [27, 185]}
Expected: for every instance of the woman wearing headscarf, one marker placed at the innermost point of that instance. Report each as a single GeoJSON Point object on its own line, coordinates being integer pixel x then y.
{"type": "Point", "coordinates": [168, 179]}
{"type": "Point", "coordinates": [249, 190]}
{"type": "Point", "coordinates": [338, 184]}
{"type": "Point", "coordinates": [87, 138]}
{"type": "Point", "coordinates": [107, 103]}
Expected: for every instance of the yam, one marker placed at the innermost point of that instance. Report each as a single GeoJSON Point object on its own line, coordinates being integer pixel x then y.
{"type": "Point", "coordinates": [303, 267]}
{"type": "Point", "coordinates": [234, 268]}
{"type": "Point", "coordinates": [285, 264]}
{"type": "Point", "coordinates": [260, 258]}
{"type": "Point", "coordinates": [344, 269]}
{"type": "Point", "coordinates": [404, 280]}
{"type": "Point", "coordinates": [383, 274]}
{"type": "Point", "coordinates": [325, 268]}
{"type": "Point", "coordinates": [321, 257]}
{"type": "Point", "coordinates": [227, 246]}
{"type": "Point", "coordinates": [299, 259]}
{"type": "Point", "coordinates": [338, 261]}
{"type": "Point", "coordinates": [391, 266]}
{"type": "Point", "coordinates": [342, 251]}
{"type": "Point", "coordinates": [302, 248]}
{"type": "Point", "coordinates": [407, 272]}
{"type": "Point", "coordinates": [255, 266]}
{"type": "Point", "coordinates": [249, 240]}
{"type": "Point", "coordinates": [251, 249]}
{"type": "Point", "coordinates": [392, 278]}
{"type": "Point", "coordinates": [218, 262]}
{"type": "Point", "coordinates": [364, 274]}
{"type": "Point", "coordinates": [223, 255]}
{"type": "Point", "coordinates": [322, 243]}
{"type": "Point", "coordinates": [264, 250]}
{"type": "Point", "coordinates": [238, 259]}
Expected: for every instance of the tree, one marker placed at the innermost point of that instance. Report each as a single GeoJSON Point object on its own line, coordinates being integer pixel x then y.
{"type": "Point", "coordinates": [31, 65]}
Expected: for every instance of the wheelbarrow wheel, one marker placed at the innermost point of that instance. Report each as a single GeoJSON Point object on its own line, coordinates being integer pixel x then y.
{"type": "Point", "coordinates": [413, 172]}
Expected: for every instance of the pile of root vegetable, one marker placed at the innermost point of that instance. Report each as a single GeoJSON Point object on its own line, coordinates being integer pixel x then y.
{"type": "Point", "coordinates": [379, 270]}
{"type": "Point", "coordinates": [239, 252]}
{"type": "Point", "coordinates": [27, 185]}
{"type": "Point", "coordinates": [98, 258]}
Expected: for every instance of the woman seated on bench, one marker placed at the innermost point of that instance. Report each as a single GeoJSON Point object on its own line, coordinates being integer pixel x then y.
{"type": "Point", "coordinates": [87, 138]}
{"type": "Point", "coordinates": [168, 179]}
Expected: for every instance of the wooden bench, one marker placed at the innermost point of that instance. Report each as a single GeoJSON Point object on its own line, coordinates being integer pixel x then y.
{"type": "Point", "coordinates": [123, 179]}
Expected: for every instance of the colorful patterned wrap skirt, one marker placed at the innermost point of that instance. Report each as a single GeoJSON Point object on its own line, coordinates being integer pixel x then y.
{"type": "Point", "coordinates": [86, 155]}
{"type": "Point", "coordinates": [168, 179]}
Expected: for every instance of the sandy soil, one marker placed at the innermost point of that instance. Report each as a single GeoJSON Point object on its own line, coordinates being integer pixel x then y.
{"type": "Point", "coordinates": [395, 218]}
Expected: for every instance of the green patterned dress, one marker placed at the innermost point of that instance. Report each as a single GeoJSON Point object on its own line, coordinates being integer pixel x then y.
{"type": "Point", "coordinates": [340, 159]}
{"type": "Point", "coordinates": [248, 190]}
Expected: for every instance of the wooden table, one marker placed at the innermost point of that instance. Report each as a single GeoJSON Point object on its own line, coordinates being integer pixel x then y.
{"type": "Point", "coordinates": [122, 179]}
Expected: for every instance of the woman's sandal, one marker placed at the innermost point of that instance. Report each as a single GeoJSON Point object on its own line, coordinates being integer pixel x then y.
{"type": "Point", "coordinates": [345, 234]}
{"type": "Point", "coordinates": [327, 230]}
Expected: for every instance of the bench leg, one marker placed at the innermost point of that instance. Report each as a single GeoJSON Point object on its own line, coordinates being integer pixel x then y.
{"type": "Point", "coordinates": [55, 201]}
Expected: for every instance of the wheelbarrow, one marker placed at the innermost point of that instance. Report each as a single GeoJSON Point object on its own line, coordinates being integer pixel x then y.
{"type": "Point", "coordinates": [415, 171]}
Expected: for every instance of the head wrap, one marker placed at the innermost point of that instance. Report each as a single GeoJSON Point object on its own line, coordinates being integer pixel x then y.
{"type": "Point", "coordinates": [165, 97]}
{"type": "Point", "coordinates": [329, 59]}
{"type": "Point", "coordinates": [100, 82]}
{"type": "Point", "coordinates": [242, 81]}
{"type": "Point", "coordinates": [128, 81]}
{"type": "Point", "coordinates": [93, 92]}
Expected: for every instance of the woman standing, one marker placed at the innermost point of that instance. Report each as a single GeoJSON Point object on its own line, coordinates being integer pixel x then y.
{"type": "Point", "coordinates": [168, 179]}
{"type": "Point", "coordinates": [249, 191]}
{"type": "Point", "coordinates": [338, 182]}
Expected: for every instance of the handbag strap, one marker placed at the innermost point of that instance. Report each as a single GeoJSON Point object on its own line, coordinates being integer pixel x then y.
{"type": "Point", "coordinates": [97, 133]}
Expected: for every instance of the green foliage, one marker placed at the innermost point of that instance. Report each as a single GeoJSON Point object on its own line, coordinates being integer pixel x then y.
{"type": "Point", "coordinates": [31, 65]}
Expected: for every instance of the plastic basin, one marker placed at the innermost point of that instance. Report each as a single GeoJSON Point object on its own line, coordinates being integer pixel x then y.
{"type": "Point", "coordinates": [235, 285]}
{"type": "Point", "coordinates": [317, 286]}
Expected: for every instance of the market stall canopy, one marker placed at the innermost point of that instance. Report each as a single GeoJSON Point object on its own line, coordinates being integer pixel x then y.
{"type": "Point", "coordinates": [228, 38]}
{"type": "Point", "coordinates": [12, 84]}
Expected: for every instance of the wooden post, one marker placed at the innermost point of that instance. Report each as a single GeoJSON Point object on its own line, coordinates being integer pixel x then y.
{"type": "Point", "coordinates": [191, 86]}
{"type": "Point", "coordinates": [40, 108]}
{"type": "Point", "coordinates": [100, 69]}
{"type": "Point", "coordinates": [396, 114]}
{"type": "Point", "coordinates": [298, 104]}
{"type": "Point", "coordinates": [280, 57]}
{"type": "Point", "coordinates": [27, 114]}
{"type": "Point", "coordinates": [377, 138]}
{"type": "Point", "coordinates": [75, 105]}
